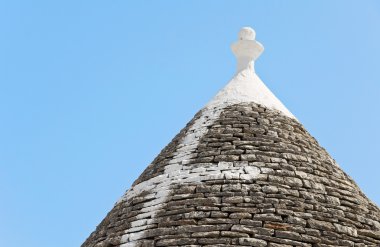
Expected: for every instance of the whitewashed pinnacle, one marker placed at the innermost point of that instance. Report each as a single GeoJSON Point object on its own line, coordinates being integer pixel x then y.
{"type": "Point", "coordinates": [246, 49]}
{"type": "Point", "coordinates": [246, 86]}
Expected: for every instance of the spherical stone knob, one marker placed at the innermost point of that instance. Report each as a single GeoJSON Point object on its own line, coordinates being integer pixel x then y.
{"type": "Point", "coordinates": [247, 33]}
{"type": "Point", "coordinates": [246, 49]}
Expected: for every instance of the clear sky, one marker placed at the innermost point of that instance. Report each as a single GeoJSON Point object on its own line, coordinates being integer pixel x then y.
{"type": "Point", "coordinates": [91, 91]}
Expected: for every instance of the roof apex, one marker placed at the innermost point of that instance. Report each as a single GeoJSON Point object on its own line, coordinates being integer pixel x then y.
{"type": "Point", "coordinates": [246, 86]}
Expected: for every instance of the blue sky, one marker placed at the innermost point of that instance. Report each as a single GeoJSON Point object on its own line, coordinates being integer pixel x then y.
{"type": "Point", "coordinates": [91, 91]}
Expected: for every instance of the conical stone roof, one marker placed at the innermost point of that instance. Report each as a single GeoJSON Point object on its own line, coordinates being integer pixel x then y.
{"type": "Point", "coordinates": [243, 172]}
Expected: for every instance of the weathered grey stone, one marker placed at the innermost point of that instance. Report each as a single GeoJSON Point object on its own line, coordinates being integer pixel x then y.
{"type": "Point", "coordinates": [248, 157]}
{"type": "Point", "coordinates": [276, 179]}
{"type": "Point", "coordinates": [252, 170]}
{"type": "Point", "coordinates": [234, 199]}
{"type": "Point", "coordinates": [267, 170]}
{"type": "Point", "coordinates": [240, 216]}
{"type": "Point", "coordinates": [369, 233]}
{"type": "Point", "coordinates": [313, 232]}
{"type": "Point", "coordinates": [303, 215]}
{"type": "Point", "coordinates": [310, 239]}
{"type": "Point", "coordinates": [253, 242]}
{"type": "Point", "coordinates": [175, 241]}
{"type": "Point", "coordinates": [270, 189]}
{"type": "Point", "coordinates": [251, 222]}
{"type": "Point", "coordinates": [288, 235]}
{"type": "Point", "coordinates": [209, 221]}
{"type": "Point", "coordinates": [293, 182]}
{"type": "Point", "coordinates": [278, 245]}
{"type": "Point", "coordinates": [198, 228]}
{"type": "Point", "coordinates": [333, 200]}
{"type": "Point", "coordinates": [264, 231]}
{"type": "Point", "coordinates": [320, 225]}
{"type": "Point", "coordinates": [214, 241]}
{"type": "Point", "coordinates": [267, 217]}
{"type": "Point", "coordinates": [231, 187]}
{"type": "Point", "coordinates": [346, 230]}
{"type": "Point", "coordinates": [243, 229]}
{"type": "Point", "coordinates": [202, 188]}
{"type": "Point", "coordinates": [218, 214]}
{"type": "Point", "coordinates": [226, 157]}
{"type": "Point", "coordinates": [213, 234]}
{"type": "Point", "coordinates": [197, 215]}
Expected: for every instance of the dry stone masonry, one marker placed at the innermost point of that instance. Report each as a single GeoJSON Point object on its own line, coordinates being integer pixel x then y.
{"type": "Point", "coordinates": [243, 172]}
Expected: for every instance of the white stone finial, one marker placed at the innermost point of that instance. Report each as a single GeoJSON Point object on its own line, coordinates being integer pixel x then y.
{"type": "Point", "coordinates": [246, 86]}
{"type": "Point", "coordinates": [246, 49]}
{"type": "Point", "coordinates": [247, 33]}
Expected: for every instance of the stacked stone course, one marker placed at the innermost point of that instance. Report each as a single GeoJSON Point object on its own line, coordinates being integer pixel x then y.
{"type": "Point", "coordinates": [248, 176]}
